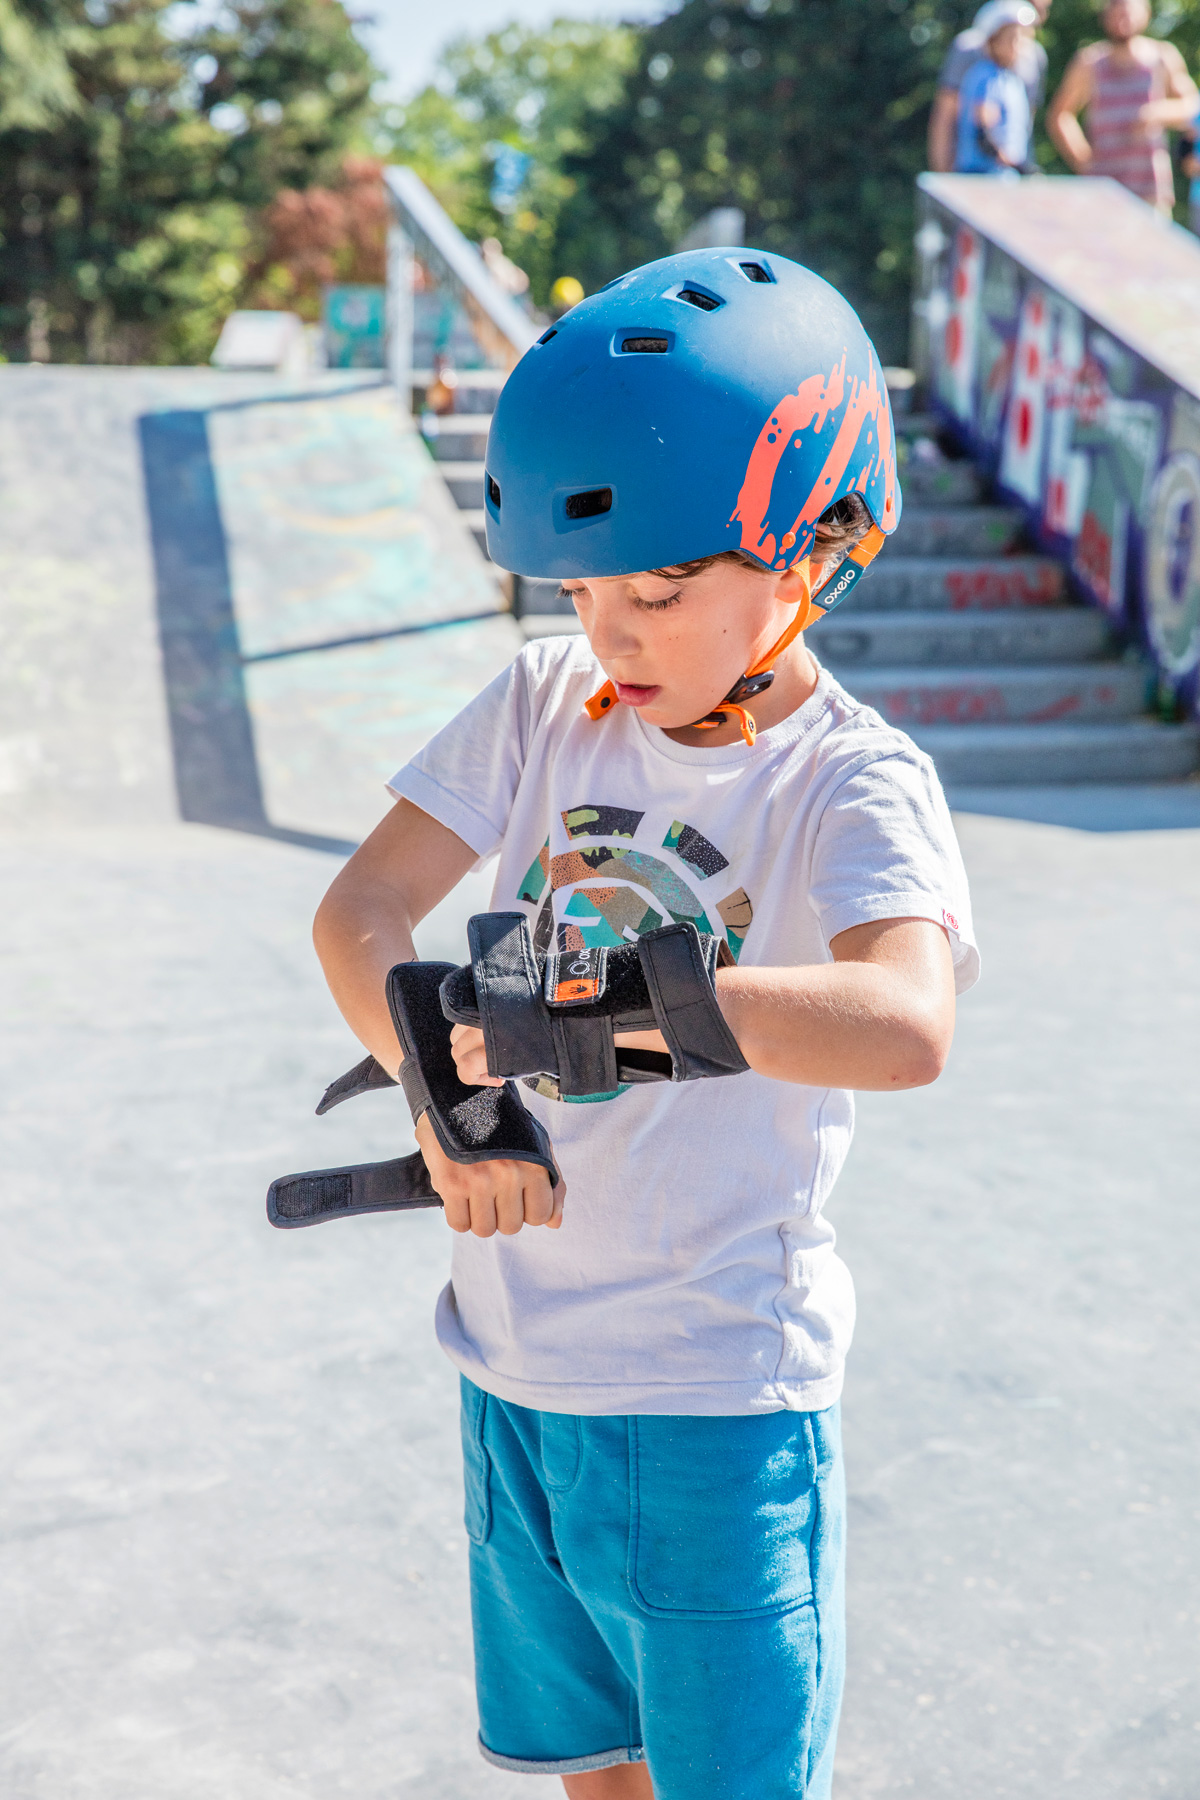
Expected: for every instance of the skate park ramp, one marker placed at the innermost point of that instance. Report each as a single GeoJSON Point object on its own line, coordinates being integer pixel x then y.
{"type": "Point", "coordinates": [236, 600]}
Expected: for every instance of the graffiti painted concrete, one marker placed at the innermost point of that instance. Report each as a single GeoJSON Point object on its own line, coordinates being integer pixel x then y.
{"type": "Point", "coordinates": [1059, 324]}
{"type": "Point", "coordinates": [183, 555]}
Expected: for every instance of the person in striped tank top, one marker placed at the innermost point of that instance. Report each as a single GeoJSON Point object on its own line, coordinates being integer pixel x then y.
{"type": "Point", "coordinates": [1134, 89]}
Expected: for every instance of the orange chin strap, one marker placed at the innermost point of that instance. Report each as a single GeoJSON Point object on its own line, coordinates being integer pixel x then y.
{"type": "Point", "coordinates": [758, 679]}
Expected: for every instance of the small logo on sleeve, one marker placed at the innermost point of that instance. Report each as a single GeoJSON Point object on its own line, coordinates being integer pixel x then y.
{"type": "Point", "coordinates": [949, 919]}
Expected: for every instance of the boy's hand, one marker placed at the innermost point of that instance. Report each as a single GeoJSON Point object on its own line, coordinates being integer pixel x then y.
{"type": "Point", "coordinates": [470, 1057]}
{"type": "Point", "coordinates": [488, 1197]}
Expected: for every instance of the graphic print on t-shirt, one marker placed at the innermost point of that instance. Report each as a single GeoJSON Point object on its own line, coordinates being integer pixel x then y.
{"type": "Point", "coordinates": [599, 893]}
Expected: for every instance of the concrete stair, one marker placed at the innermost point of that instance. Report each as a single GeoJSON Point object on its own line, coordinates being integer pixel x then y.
{"type": "Point", "coordinates": [945, 530]}
{"type": "Point", "coordinates": [1041, 755]}
{"type": "Point", "coordinates": [941, 639]}
{"type": "Point", "coordinates": [457, 441]}
{"type": "Point", "coordinates": [955, 583]}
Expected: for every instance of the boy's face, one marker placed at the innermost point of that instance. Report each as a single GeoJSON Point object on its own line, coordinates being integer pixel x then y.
{"type": "Point", "coordinates": [675, 647]}
{"type": "Point", "coordinates": [1004, 45]}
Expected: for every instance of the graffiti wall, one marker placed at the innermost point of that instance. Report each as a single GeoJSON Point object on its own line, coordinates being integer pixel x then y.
{"type": "Point", "coordinates": [1041, 373]}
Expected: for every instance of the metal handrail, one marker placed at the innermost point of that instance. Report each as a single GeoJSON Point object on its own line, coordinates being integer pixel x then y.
{"type": "Point", "coordinates": [452, 258]}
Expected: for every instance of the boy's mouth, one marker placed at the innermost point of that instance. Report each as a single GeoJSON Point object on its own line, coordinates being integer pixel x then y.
{"type": "Point", "coordinates": [630, 694]}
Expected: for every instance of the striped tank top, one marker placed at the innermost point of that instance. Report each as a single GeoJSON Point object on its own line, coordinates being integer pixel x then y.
{"type": "Point", "coordinates": [1139, 161]}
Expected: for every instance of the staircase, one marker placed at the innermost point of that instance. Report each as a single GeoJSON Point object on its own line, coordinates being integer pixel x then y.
{"type": "Point", "coordinates": [458, 443]}
{"type": "Point", "coordinates": [959, 633]}
{"type": "Point", "coordinates": [973, 644]}
{"type": "Point", "coordinates": [458, 440]}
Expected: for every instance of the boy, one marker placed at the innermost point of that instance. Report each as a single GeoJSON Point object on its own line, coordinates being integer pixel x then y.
{"type": "Point", "coordinates": [994, 120]}
{"type": "Point", "coordinates": [650, 1385]}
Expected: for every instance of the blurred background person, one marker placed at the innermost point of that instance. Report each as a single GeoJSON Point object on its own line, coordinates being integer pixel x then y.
{"type": "Point", "coordinates": [1134, 88]}
{"type": "Point", "coordinates": [1189, 162]}
{"type": "Point", "coordinates": [966, 49]}
{"type": "Point", "coordinates": [995, 123]}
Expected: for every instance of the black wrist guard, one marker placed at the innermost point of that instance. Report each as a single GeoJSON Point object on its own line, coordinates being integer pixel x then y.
{"type": "Point", "coordinates": [471, 1124]}
{"type": "Point", "coordinates": [560, 1018]}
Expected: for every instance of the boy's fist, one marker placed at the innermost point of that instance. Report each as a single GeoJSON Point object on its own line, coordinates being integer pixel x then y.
{"type": "Point", "coordinates": [486, 1197]}
{"type": "Point", "coordinates": [470, 1057]}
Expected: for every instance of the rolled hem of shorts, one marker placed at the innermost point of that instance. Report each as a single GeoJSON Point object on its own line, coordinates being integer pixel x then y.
{"type": "Point", "coordinates": [568, 1765]}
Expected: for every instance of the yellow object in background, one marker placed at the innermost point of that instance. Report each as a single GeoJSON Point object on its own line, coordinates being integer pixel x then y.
{"type": "Point", "coordinates": [566, 293]}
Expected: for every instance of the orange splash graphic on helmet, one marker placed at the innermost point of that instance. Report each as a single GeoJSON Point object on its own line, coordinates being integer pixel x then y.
{"type": "Point", "coordinates": [808, 409]}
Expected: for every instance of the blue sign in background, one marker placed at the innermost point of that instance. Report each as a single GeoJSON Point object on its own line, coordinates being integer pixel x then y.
{"type": "Point", "coordinates": [353, 323]}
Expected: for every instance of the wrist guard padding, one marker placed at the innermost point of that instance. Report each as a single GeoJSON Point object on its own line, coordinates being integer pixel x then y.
{"type": "Point", "coordinates": [561, 1018]}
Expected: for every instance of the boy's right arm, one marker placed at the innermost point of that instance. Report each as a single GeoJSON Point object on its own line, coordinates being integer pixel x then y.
{"type": "Point", "coordinates": [363, 928]}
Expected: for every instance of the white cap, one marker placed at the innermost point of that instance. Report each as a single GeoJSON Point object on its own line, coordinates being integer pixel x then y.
{"type": "Point", "coordinates": [998, 13]}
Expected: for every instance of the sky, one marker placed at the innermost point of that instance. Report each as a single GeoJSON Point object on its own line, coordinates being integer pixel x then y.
{"type": "Point", "coordinates": [405, 36]}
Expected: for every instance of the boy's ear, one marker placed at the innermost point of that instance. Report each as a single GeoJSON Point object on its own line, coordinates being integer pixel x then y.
{"type": "Point", "coordinates": [794, 588]}
{"type": "Point", "coordinates": [795, 585]}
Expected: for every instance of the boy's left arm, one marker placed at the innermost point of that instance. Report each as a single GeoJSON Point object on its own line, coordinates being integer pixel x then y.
{"type": "Point", "coordinates": [880, 1016]}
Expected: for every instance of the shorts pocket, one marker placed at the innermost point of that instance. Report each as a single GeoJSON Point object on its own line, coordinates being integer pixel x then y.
{"type": "Point", "coordinates": [477, 1464]}
{"type": "Point", "coordinates": [722, 1512]}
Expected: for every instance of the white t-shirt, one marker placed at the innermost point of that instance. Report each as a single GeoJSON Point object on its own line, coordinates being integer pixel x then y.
{"type": "Point", "coordinates": [694, 1271]}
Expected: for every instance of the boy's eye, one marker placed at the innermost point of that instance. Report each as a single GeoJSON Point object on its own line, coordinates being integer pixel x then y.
{"type": "Point", "coordinates": [566, 593]}
{"type": "Point", "coordinates": [658, 605]}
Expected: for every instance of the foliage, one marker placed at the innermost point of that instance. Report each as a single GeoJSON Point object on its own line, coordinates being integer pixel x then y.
{"type": "Point", "coordinates": [810, 115]}
{"type": "Point", "coordinates": [36, 86]}
{"type": "Point", "coordinates": [543, 93]}
{"type": "Point", "coordinates": [129, 225]}
{"type": "Point", "coordinates": [322, 234]}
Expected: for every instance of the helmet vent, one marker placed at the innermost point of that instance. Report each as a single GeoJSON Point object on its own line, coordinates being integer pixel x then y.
{"type": "Point", "coordinates": [755, 272]}
{"type": "Point", "coordinates": [547, 335]}
{"type": "Point", "coordinates": [697, 297]}
{"type": "Point", "coordinates": [588, 505]}
{"type": "Point", "coordinates": [493, 491]}
{"type": "Point", "coordinates": [645, 346]}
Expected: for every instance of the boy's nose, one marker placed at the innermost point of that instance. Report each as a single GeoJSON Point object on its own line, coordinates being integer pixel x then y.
{"type": "Point", "coordinates": [605, 618]}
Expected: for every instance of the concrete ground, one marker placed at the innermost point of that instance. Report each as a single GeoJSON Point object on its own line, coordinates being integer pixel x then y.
{"type": "Point", "coordinates": [231, 1565]}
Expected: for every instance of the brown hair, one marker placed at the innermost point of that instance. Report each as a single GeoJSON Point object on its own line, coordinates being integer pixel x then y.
{"type": "Point", "coordinates": [838, 529]}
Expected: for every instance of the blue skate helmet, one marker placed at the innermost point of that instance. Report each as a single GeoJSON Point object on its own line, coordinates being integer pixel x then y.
{"type": "Point", "coordinates": [716, 400]}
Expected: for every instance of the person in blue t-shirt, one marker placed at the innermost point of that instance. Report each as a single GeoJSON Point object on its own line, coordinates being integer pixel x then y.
{"type": "Point", "coordinates": [965, 50]}
{"type": "Point", "coordinates": [994, 121]}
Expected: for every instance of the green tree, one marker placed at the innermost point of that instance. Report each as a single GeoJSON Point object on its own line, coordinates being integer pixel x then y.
{"type": "Point", "coordinates": [129, 227]}
{"type": "Point", "coordinates": [810, 115]}
{"type": "Point", "coordinates": [36, 85]}
{"type": "Point", "coordinates": [545, 94]}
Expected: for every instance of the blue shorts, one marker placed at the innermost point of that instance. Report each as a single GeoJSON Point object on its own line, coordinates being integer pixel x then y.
{"type": "Point", "coordinates": [658, 1589]}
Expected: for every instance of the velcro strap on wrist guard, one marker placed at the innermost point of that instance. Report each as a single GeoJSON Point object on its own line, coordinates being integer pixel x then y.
{"type": "Point", "coordinates": [561, 1020]}
{"type": "Point", "coordinates": [680, 969]}
{"type": "Point", "coordinates": [402, 1185]}
{"type": "Point", "coordinates": [360, 1079]}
